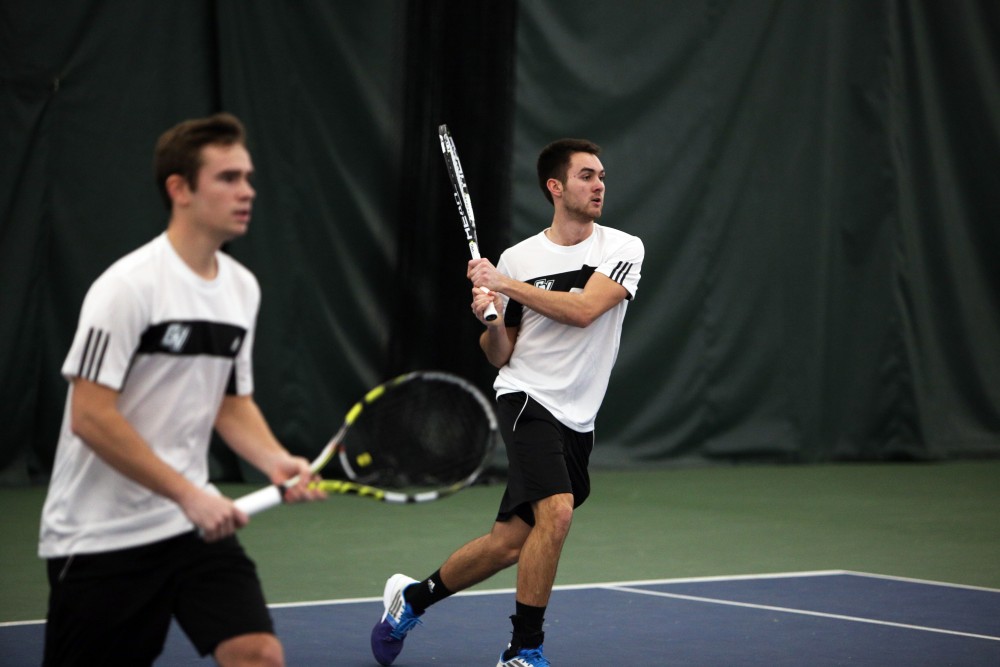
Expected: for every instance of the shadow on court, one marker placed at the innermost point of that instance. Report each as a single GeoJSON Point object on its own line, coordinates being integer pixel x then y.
{"type": "Point", "coordinates": [808, 619]}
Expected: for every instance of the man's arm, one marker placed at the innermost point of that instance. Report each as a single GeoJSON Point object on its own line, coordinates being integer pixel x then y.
{"type": "Point", "coordinates": [242, 425]}
{"type": "Point", "coordinates": [497, 341]}
{"type": "Point", "coordinates": [578, 309]}
{"type": "Point", "coordinates": [95, 418]}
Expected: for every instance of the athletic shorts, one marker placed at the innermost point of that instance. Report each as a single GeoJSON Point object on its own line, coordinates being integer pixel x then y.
{"type": "Point", "coordinates": [544, 457]}
{"type": "Point", "coordinates": [114, 608]}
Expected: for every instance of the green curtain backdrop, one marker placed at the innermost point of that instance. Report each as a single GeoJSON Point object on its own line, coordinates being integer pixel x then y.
{"type": "Point", "coordinates": [815, 184]}
{"type": "Point", "coordinates": [84, 92]}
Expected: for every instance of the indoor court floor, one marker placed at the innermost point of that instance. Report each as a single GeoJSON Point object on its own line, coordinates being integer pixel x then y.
{"type": "Point", "coordinates": [854, 564]}
{"type": "Point", "coordinates": [811, 619]}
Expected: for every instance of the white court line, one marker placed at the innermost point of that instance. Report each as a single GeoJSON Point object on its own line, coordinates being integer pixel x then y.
{"type": "Point", "coordinates": [910, 580]}
{"type": "Point", "coordinates": [623, 585]}
{"type": "Point", "coordinates": [578, 587]}
{"type": "Point", "coordinates": [800, 612]}
{"type": "Point", "coordinates": [12, 624]}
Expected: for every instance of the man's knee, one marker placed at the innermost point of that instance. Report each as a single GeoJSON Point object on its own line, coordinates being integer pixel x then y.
{"type": "Point", "coordinates": [257, 650]}
{"type": "Point", "coordinates": [555, 513]}
{"type": "Point", "coordinates": [507, 538]}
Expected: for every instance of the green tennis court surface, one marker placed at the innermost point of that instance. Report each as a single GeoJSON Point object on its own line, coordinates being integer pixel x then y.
{"type": "Point", "coordinates": [932, 522]}
{"type": "Point", "coordinates": [816, 619]}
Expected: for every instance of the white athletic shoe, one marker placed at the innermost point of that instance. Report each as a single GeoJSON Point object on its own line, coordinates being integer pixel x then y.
{"type": "Point", "coordinates": [397, 619]}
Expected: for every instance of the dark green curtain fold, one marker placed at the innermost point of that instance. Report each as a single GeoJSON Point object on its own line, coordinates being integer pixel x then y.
{"type": "Point", "coordinates": [460, 72]}
{"type": "Point", "coordinates": [945, 131]}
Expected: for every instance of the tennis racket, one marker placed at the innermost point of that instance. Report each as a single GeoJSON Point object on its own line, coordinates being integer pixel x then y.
{"type": "Point", "coordinates": [463, 202]}
{"type": "Point", "coordinates": [413, 439]}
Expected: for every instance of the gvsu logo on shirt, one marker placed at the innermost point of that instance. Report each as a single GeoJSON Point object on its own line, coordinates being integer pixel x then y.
{"type": "Point", "coordinates": [175, 337]}
{"type": "Point", "coordinates": [545, 284]}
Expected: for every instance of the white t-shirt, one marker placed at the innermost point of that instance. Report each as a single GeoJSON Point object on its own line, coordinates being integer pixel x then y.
{"type": "Point", "coordinates": [173, 344]}
{"type": "Point", "coordinates": [567, 368]}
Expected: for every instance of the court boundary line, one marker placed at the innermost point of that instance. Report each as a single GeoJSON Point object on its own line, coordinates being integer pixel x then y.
{"type": "Point", "coordinates": [929, 582]}
{"type": "Point", "coordinates": [573, 587]}
{"type": "Point", "coordinates": [624, 584]}
{"type": "Point", "coordinates": [800, 612]}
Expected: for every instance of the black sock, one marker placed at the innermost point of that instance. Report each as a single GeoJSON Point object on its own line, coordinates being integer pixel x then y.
{"type": "Point", "coordinates": [425, 593]}
{"type": "Point", "coordinates": [527, 633]}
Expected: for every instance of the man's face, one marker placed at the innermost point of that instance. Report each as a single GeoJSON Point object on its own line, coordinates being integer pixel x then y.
{"type": "Point", "coordinates": [222, 201]}
{"type": "Point", "coordinates": [583, 193]}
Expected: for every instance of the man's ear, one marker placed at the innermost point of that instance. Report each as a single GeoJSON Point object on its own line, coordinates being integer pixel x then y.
{"type": "Point", "coordinates": [555, 187]}
{"type": "Point", "coordinates": [178, 189]}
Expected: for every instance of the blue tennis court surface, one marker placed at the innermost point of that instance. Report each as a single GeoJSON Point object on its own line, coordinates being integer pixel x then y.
{"type": "Point", "coordinates": [809, 619]}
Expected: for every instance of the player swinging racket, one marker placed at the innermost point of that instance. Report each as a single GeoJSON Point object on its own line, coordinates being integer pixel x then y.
{"type": "Point", "coordinates": [162, 356]}
{"type": "Point", "coordinates": [562, 296]}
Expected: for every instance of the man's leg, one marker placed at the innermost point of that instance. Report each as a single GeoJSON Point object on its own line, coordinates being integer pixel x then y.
{"type": "Point", "coordinates": [252, 650]}
{"type": "Point", "coordinates": [539, 558]}
{"type": "Point", "coordinates": [110, 608]}
{"type": "Point", "coordinates": [536, 574]}
{"type": "Point", "coordinates": [484, 556]}
{"type": "Point", "coordinates": [405, 599]}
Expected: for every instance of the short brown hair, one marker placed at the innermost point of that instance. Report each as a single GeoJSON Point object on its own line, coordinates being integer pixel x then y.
{"type": "Point", "coordinates": [553, 161]}
{"type": "Point", "coordinates": [178, 150]}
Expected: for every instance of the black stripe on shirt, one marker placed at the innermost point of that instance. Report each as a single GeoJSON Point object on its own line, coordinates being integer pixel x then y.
{"type": "Point", "coordinates": [100, 355]}
{"type": "Point", "coordinates": [92, 356]}
{"type": "Point", "coordinates": [554, 282]}
{"type": "Point", "coordinates": [86, 350]}
{"type": "Point", "coordinates": [231, 389]}
{"type": "Point", "coordinates": [620, 272]}
{"type": "Point", "coordinates": [565, 281]}
{"type": "Point", "coordinates": [191, 338]}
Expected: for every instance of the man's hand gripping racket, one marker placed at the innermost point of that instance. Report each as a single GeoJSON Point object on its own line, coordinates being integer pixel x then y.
{"type": "Point", "coordinates": [416, 438]}
{"type": "Point", "coordinates": [463, 202]}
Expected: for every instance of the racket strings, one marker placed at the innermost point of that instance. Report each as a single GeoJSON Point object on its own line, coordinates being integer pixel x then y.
{"type": "Point", "coordinates": [424, 433]}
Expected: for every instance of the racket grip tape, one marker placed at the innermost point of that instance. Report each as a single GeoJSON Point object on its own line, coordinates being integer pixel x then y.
{"type": "Point", "coordinates": [260, 500]}
{"type": "Point", "coordinates": [491, 310]}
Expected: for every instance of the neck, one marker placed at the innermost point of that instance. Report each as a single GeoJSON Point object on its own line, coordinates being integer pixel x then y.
{"type": "Point", "coordinates": [196, 251]}
{"type": "Point", "coordinates": [569, 232]}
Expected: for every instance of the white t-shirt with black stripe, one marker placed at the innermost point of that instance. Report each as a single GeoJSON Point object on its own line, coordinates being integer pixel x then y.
{"type": "Point", "coordinates": [173, 344]}
{"type": "Point", "coordinates": [567, 368]}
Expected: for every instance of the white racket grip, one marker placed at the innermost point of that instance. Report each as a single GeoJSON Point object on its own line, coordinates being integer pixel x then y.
{"type": "Point", "coordinates": [260, 500]}
{"type": "Point", "coordinates": [491, 310]}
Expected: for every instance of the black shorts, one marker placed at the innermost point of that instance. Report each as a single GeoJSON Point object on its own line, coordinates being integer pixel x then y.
{"type": "Point", "coordinates": [544, 457]}
{"type": "Point", "coordinates": [114, 608]}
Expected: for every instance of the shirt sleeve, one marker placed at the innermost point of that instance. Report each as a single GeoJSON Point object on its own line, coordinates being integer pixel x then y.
{"type": "Point", "coordinates": [624, 264]}
{"type": "Point", "coordinates": [111, 323]}
{"type": "Point", "coordinates": [241, 380]}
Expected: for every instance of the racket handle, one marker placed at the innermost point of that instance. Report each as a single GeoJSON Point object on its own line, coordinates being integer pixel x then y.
{"type": "Point", "coordinates": [260, 500]}
{"type": "Point", "coordinates": [491, 310]}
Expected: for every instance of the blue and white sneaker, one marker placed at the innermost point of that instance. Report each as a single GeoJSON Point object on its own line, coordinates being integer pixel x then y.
{"type": "Point", "coordinates": [526, 657]}
{"type": "Point", "coordinates": [397, 619]}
